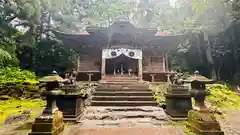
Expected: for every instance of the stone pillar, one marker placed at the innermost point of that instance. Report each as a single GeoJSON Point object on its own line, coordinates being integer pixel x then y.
{"type": "Point", "coordinates": [140, 73]}
{"type": "Point", "coordinates": [103, 66]}
{"type": "Point", "coordinates": [90, 77]}
{"type": "Point", "coordinates": [153, 77]}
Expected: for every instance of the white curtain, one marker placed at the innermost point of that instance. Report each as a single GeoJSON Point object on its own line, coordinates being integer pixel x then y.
{"type": "Point", "coordinates": [107, 53]}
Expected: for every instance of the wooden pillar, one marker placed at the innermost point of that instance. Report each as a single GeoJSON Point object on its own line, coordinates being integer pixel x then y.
{"type": "Point", "coordinates": [168, 79]}
{"type": "Point", "coordinates": [90, 77]}
{"type": "Point", "coordinates": [153, 77]}
{"type": "Point", "coordinates": [140, 73]}
{"type": "Point", "coordinates": [166, 60]}
{"type": "Point", "coordinates": [103, 66]}
{"type": "Point", "coordinates": [163, 61]}
{"type": "Point", "coordinates": [78, 63]}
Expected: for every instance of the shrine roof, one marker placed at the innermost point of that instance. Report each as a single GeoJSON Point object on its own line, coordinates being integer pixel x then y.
{"type": "Point", "coordinates": [97, 38]}
{"type": "Point", "coordinates": [121, 31]}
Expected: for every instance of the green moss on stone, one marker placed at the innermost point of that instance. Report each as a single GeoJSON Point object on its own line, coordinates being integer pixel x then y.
{"type": "Point", "coordinates": [17, 106]}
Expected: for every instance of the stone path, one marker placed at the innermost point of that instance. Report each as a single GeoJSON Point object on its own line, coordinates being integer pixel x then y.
{"type": "Point", "coordinates": [127, 131]}
{"type": "Point", "coordinates": [141, 120]}
{"type": "Point", "coordinates": [231, 123]}
{"type": "Point", "coordinates": [147, 116]}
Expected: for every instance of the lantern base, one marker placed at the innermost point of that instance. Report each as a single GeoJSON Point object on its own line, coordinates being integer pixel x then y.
{"type": "Point", "coordinates": [48, 124]}
{"type": "Point", "coordinates": [203, 123]}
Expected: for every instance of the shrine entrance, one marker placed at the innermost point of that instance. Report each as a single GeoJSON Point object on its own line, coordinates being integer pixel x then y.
{"type": "Point", "coordinates": [121, 65]}
{"type": "Point", "coordinates": [122, 62]}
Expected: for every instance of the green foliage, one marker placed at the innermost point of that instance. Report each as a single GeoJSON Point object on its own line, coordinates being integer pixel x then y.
{"type": "Point", "coordinates": [16, 75]}
{"type": "Point", "coordinates": [51, 55]}
{"type": "Point", "coordinates": [81, 92]}
{"type": "Point", "coordinates": [17, 106]}
{"type": "Point", "coordinates": [222, 97]}
{"type": "Point", "coordinates": [17, 83]}
{"type": "Point", "coordinates": [158, 92]}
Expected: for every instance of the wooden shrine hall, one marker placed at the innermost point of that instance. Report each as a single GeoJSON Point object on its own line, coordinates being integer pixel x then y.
{"type": "Point", "coordinates": [121, 50]}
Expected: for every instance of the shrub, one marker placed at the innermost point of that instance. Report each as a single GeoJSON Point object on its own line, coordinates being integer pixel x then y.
{"type": "Point", "coordinates": [16, 82]}
{"type": "Point", "coordinates": [6, 59]}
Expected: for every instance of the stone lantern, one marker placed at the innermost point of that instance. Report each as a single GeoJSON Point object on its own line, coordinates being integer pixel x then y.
{"type": "Point", "coordinates": [178, 102]}
{"type": "Point", "coordinates": [51, 120]}
{"type": "Point", "coordinates": [200, 120]}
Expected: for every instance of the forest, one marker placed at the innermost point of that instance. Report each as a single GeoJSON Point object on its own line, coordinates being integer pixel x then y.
{"type": "Point", "coordinates": [27, 43]}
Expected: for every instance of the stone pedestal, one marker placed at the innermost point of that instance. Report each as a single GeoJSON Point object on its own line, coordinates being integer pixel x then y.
{"type": "Point", "coordinates": [178, 102]}
{"type": "Point", "coordinates": [72, 107]}
{"type": "Point", "coordinates": [51, 120]}
{"type": "Point", "coordinates": [203, 123]}
{"type": "Point", "coordinates": [48, 124]}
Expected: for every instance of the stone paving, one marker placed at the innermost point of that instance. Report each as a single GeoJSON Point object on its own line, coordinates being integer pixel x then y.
{"type": "Point", "coordinates": [142, 120]}
{"type": "Point", "coordinates": [127, 131]}
{"type": "Point", "coordinates": [230, 124]}
{"type": "Point", "coordinates": [123, 117]}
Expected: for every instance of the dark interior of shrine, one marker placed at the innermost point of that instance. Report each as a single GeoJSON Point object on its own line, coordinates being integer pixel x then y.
{"type": "Point", "coordinates": [121, 62]}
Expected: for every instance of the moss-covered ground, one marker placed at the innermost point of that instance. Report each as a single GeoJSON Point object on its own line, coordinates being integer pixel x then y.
{"type": "Point", "coordinates": [13, 106]}
{"type": "Point", "coordinates": [222, 100]}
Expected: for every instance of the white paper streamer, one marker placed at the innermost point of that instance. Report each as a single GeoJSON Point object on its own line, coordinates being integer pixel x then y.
{"type": "Point", "coordinates": [106, 53]}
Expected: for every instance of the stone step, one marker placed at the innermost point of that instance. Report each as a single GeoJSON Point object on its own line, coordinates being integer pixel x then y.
{"type": "Point", "coordinates": [121, 77]}
{"type": "Point", "coordinates": [116, 115]}
{"type": "Point", "coordinates": [121, 89]}
{"type": "Point", "coordinates": [123, 93]}
{"type": "Point", "coordinates": [123, 103]}
{"type": "Point", "coordinates": [123, 82]}
{"type": "Point", "coordinates": [127, 85]}
{"type": "Point", "coordinates": [122, 98]}
{"type": "Point", "coordinates": [106, 109]}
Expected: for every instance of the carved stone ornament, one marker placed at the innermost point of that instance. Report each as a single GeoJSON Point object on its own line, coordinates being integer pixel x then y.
{"type": "Point", "coordinates": [113, 53]}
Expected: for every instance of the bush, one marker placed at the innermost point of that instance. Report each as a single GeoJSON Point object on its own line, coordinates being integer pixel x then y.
{"type": "Point", "coordinates": [6, 59]}
{"type": "Point", "coordinates": [17, 83]}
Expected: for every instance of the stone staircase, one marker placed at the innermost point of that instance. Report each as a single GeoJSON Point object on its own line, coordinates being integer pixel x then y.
{"type": "Point", "coordinates": [123, 91]}
{"type": "Point", "coordinates": [122, 97]}
{"type": "Point", "coordinates": [123, 104]}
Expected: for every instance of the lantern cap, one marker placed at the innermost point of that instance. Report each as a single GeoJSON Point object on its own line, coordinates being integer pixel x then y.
{"type": "Point", "coordinates": [198, 78]}
{"type": "Point", "coordinates": [52, 78]}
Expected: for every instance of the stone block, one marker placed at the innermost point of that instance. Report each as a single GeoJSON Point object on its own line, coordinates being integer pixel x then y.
{"type": "Point", "coordinates": [72, 107]}
{"type": "Point", "coordinates": [178, 105]}
{"type": "Point", "coordinates": [203, 123]}
{"type": "Point", "coordinates": [51, 124]}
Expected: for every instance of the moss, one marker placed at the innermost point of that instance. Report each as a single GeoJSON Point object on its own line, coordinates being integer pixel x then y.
{"type": "Point", "coordinates": [82, 92]}
{"type": "Point", "coordinates": [159, 91]}
{"type": "Point", "coordinates": [188, 131]}
{"type": "Point", "coordinates": [223, 97]}
{"type": "Point", "coordinates": [17, 106]}
{"type": "Point", "coordinates": [178, 123]}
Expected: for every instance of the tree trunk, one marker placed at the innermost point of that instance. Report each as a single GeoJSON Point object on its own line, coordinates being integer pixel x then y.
{"type": "Point", "coordinates": [219, 70]}
{"type": "Point", "coordinates": [209, 56]}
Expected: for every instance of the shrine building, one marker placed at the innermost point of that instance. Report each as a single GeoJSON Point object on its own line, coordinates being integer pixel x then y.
{"type": "Point", "coordinates": [121, 50]}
